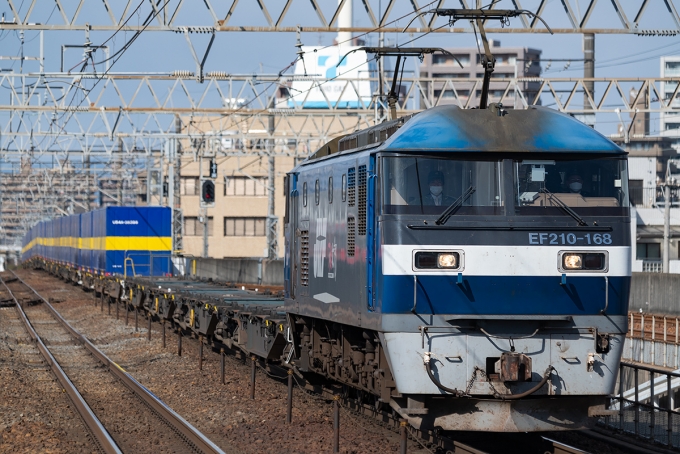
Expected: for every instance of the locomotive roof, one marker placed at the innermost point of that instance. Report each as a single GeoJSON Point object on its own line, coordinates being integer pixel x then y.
{"type": "Point", "coordinates": [534, 130]}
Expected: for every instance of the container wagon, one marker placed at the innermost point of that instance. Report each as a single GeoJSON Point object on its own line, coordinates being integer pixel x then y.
{"type": "Point", "coordinates": [112, 240]}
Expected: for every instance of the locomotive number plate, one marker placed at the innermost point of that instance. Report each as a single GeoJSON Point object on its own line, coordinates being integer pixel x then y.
{"type": "Point", "coordinates": [581, 239]}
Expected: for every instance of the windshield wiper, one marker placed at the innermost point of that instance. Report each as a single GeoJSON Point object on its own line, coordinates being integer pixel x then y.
{"type": "Point", "coordinates": [454, 206]}
{"type": "Point", "coordinates": [564, 206]}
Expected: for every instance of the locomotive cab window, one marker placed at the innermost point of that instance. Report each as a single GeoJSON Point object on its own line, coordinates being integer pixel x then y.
{"type": "Point", "coordinates": [330, 189]}
{"type": "Point", "coordinates": [430, 185]}
{"type": "Point", "coordinates": [594, 186]}
{"type": "Point", "coordinates": [343, 183]}
{"type": "Point", "coordinates": [304, 194]}
{"type": "Point", "coordinates": [316, 192]}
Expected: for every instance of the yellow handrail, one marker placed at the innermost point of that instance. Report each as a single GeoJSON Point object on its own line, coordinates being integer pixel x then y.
{"type": "Point", "coordinates": [132, 262]}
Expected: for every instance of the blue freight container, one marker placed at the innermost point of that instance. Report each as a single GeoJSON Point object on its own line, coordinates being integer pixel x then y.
{"type": "Point", "coordinates": [112, 240]}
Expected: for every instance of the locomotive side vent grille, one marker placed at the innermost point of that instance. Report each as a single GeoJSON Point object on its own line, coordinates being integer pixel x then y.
{"type": "Point", "coordinates": [304, 258]}
{"type": "Point", "coordinates": [350, 236]}
{"type": "Point", "coordinates": [351, 186]}
{"type": "Point", "coordinates": [362, 200]}
{"type": "Point", "coordinates": [348, 143]}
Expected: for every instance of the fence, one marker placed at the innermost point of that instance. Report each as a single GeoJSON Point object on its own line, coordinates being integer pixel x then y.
{"type": "Point", "coordinates": [241, 270]}
{"type": "Point", "coordinates": [655, 293]}
{"type": "Point", "coordinates": [646, 409]}
{"type": "Point", "coordinates": [650, 197]}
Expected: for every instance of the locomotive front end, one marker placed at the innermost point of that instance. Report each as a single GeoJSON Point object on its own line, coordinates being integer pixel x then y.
{"type": "Point", "coordinates": [503, 270]}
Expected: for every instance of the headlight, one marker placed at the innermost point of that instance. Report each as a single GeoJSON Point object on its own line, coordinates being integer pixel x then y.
{"type": "Point", "coordinates": [583, 261]}
{"type": "Point", "coordinates": [447, 261]}
{"type": "Point", "coordinates": [572, 261]}
{"type": "Point", "coordinates": [436, 260]}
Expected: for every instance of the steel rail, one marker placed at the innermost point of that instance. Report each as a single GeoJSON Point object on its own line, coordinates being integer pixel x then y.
{"type": "Point", "coordinates": [101, 435]}
{"type": "Point", "coordinates": [179, 424]}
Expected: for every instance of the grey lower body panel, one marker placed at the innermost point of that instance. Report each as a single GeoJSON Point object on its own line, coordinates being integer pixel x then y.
{"type": "Point", "coordinates": [493, 415]}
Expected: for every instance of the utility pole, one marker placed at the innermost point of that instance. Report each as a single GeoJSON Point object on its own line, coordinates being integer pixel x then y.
{"type": "Point", "coordinates": [272, 221]}
{"type": "Point", "coordinates": [177, 219]}
{"type": "Point", "coordinates": [669, 183]}
{"type": "Point", "coordinates": [588, 71]}
{"type": "Point", "coordinates": [204, 209]}
{"type": "Point", "coordinates": [666, 227]}
{"type": "Point", "coordinates": [119, 172]}
{"type": "Point", "coordinates": [205, 233]}
{"type": "Point", "coordinates": [86, 168]}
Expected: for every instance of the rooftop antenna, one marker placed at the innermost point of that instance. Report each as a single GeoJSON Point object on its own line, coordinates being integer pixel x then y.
{"type": "Point", "coordinates": [478, 17]}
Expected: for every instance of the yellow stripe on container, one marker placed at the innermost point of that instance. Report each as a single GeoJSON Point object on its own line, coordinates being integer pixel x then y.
{"type": "Point", "coordinates": [138, 243]}
{"type": "Point", "coordinates": [110, 243]}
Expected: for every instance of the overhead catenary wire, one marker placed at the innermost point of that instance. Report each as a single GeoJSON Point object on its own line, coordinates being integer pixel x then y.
{"type": "Point", "coordinates": [377, 29]}
{"type": "Point", "coordinates": [319, 84]}
{"type": "Point", "coordinates": [608, 63]}
{"type": "Point", "coordinates": [151, 16]}
{"type": "Point", "coordinates": [68, 109]}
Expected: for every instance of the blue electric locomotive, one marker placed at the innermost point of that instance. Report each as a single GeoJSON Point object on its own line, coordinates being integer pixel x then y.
{"type": "Point", "coordinates": [469, 268]}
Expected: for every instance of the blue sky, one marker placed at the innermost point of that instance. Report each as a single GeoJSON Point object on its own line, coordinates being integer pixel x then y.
{"type": "Point", "coordinates": [251, 53]}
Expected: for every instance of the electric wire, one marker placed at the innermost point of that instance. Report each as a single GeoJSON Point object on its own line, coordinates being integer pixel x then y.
{"type": "Point", "coordinates": [152, 15]}
{"type": "Point", "coordinates": [380, 27]}
{"type": "Point", "coordinates": [146, 23]}
{"type": "Point", "coordinates": [277, 81]}
{"type": "Point", "coordinates": [618, 60]}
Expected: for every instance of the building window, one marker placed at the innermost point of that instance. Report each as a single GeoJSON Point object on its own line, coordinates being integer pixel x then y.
{"type": "Point", "coordinates": [636, 192]}
{"type": "Point", "coordinates": [245, 226]}
{"type": "Point", "coordinates": [189, 186]}
{"type": "Point", "coordinates": [194, 227]}
{"type": "Point", "coordinates": [451, 75]}
{"type": "Point", "coordinates": [443, 59]}
{"type": "Point", "coordinates": [246, 186]}
{"type": "Point", "coordinates": [648, 251]}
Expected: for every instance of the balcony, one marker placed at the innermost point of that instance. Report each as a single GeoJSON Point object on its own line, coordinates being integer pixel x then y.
{"type": "Point", "coordinates": [652, 197]}
{"type": "Point", "coordinates": [652, 266]}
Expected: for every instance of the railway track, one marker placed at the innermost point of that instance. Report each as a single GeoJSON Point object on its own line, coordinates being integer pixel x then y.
{"type": "Point", "coordinates": [122, 415]}
{"type": "Point", "coordinates": [428, 441]}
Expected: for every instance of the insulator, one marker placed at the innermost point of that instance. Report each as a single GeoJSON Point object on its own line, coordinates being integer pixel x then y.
{"type": "Point", "coordinates": [216, 75]}
{"type": "Point", "coordinates": [181, 73]}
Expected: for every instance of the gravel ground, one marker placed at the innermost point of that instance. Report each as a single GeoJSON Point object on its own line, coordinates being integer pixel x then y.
{"type": "Point", "coordinates": [134, 428]}
{"type": "Point", "coordinates": [224, 413]}
{"type": "Point", "coordinates": [35, 414]}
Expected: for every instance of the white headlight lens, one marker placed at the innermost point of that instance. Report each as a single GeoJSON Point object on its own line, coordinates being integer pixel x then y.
{"type": "Point", "coordinates": [572, 261]}
{"type": "Point", "coordinates": [447, 261]}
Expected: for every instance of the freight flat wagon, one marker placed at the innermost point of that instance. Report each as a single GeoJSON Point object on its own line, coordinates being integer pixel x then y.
{"type": "Point", "coordinates": [112, 240]}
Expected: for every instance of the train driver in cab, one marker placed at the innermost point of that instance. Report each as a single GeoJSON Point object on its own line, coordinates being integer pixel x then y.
{"type": "Point", "coordinates": [575, 184]}
{"type": "Point", "coordinates": [436, 195]}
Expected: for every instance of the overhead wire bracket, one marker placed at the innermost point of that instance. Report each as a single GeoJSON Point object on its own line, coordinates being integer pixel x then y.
{"type": "Point", "coordinates": [479, 17]}
{"type": "Point", "coordinates": [399, 52]}
{"type": "Point", "coordinates": [201, 63]}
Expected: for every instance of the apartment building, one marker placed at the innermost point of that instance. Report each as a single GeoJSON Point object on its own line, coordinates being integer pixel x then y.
{"type": "Point", "coordinates": [670, 121]}
{"type": "Point", "coordinates": [451, 84]}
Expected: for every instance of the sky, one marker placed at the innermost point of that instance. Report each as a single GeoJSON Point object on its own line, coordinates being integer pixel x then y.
{"type": "Point", "coordinates": [268, 53]}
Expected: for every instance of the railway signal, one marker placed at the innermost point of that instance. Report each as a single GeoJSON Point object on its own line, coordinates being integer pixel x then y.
{"type": "Point", "coordinates": [208, 192]}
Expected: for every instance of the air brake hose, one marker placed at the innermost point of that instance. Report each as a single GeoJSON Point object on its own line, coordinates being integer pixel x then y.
{"type": "Point", "coordinates": [426, 360]}
{"type": "Point", "coordinates": [455, 392]}
{"type": "Point", "coordinates": [528, 392]}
